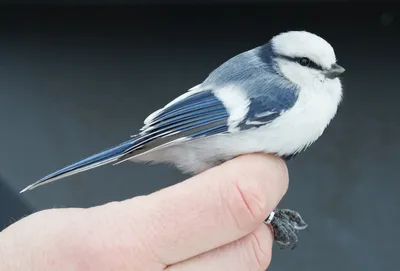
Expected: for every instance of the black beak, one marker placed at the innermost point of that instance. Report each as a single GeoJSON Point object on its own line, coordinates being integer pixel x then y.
{"type": "Point", "coordinates": [334, 71]}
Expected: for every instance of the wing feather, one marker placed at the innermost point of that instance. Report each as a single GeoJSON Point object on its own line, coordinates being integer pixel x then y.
{"type": "Point", "coordinates": [198, 115]}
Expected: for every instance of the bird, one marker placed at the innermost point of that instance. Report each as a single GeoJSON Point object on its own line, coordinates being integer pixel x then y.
{"type": "Point", "coordinates": [277, 98]}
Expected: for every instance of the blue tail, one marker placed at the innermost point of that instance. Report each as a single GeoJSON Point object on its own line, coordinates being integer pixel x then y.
{"type": "Point", "coordinates": [96, 160]}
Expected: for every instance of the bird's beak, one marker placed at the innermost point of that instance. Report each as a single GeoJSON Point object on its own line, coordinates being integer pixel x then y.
{"type": "Point", "coordinates": [335, 71]}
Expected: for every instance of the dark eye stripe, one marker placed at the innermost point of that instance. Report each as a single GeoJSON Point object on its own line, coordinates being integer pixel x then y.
{"type": "Point", "coordinates": [312, 64]}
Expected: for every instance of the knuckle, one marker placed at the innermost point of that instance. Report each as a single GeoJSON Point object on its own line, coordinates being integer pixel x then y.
{"type": "Point", "coordinates": [253, 196]}
{"type": "Point", "coordinates": [246, 201]}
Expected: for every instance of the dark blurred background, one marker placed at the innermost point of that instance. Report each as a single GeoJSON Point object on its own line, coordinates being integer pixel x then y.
{"type": "Point", "coordinates": [77, 79]}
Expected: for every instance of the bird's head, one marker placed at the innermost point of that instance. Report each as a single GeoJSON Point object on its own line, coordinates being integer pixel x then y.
{"type": "Point", "coordinates": [305, 59]}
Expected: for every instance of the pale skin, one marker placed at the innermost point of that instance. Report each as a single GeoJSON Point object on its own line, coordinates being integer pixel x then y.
{"type": "Point", "coordinates": [212, 221]}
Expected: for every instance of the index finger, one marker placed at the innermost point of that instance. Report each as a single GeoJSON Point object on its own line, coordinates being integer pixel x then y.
{"type": "Point", "coordinates": [214, 208]}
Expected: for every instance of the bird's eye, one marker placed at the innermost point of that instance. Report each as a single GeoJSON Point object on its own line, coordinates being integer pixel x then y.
{"type": "Point", "coordinates": [304, 61]}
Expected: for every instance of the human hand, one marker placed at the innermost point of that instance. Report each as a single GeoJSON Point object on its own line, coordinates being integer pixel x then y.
{"type": "Point", "coordinates": [212, 221]}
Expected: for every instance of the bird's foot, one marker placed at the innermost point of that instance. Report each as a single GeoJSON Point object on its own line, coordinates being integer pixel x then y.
{"type": "Point", "coordinates": [286, 224]}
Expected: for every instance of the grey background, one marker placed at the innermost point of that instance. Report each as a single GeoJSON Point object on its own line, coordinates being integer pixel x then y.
{"type": "Point", "coordinates": [74, 81]}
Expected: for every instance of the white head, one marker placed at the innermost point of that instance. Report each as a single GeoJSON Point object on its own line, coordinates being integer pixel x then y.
{"type": "Point", "coordinates": [306, 59]}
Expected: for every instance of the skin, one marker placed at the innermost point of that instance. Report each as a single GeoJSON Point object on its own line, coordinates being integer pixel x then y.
{"type": "Point", "coordinates": [212, 221]}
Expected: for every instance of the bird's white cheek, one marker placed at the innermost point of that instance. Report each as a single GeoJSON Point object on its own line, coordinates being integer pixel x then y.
{"type": "Point", "coordinates": [299, 75]}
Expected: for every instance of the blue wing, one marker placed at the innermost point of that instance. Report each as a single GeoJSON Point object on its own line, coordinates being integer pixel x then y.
{"type": "Point", "coordinates": [198, 115]}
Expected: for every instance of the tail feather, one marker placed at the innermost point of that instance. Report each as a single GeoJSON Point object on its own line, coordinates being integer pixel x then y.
{"type": "Point", "coordinates": [105, 157]}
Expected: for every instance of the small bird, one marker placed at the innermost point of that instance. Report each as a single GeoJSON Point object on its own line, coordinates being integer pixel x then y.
{"type": "Point", "coordinates": [277, 98]}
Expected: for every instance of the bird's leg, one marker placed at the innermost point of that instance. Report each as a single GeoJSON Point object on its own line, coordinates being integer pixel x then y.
{"type": "Point", "coordinates": [286, 224]}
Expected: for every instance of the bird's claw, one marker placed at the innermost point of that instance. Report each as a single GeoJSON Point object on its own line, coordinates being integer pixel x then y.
{"type": "Point", "coordinates": [286, 224]}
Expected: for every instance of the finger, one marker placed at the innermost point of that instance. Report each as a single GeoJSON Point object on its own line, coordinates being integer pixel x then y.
{"type": "Point", "coordinates": [252, 253]}
{"type": "Point", "coordinates": [204, 212]}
